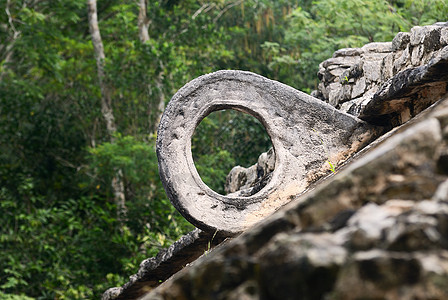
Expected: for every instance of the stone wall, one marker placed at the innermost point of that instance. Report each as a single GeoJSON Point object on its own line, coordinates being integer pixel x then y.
{"type": "Point", "coordinates": [383, 83]}
{"type": "Point", "coordinates": [376, 229]}
{"type": "Point", "coordinates": [354, 77]}
{"type": "Point", "coordinates": [248, 181]}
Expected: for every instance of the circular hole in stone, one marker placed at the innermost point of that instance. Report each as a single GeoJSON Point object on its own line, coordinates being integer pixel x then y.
{"type": "Point", "coordinates": [231, 141]}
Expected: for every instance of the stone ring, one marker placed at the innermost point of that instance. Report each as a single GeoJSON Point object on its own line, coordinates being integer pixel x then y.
{"type": "Point", "coordinates": [305, 132]}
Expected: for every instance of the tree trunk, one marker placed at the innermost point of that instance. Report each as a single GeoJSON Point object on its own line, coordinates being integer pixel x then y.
{"type": "Point", "coordinates": [106, 106]}
{"type": "Point", "coordinates": [106, 103]}
{"type": "Point", "coordinates": [8, 47]}
{"type": "Point", "coordinates": [143, 21]}
{"type": "Point", "coordinates": [8, 56]}
{"type": "Point", "coordinates": [143, 27]}
{"type": "Point", "coordinates": [160, 99]}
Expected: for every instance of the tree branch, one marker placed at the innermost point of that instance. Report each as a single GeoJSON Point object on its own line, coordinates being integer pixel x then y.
{"type": "Point", "coordinates": [9, 48]}
{"type": "Point", "coordinates": [10, 20]}
{"type": "Point", "coordinates": [143, 21]}
{"type": "Point", "coordinates": [222, 12]}
{"type": "Point", "coordinates": [204, 8]}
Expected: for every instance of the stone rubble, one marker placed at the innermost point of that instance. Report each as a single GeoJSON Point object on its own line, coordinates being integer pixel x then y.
{"type": "Point", "coordinates": [376, 229]}
{"type": "Point", "coordinates": [250, 180]}
{"type": "Point", "coordinates": [383, 83]}
{"type": "Point", "coordinates": [354, 77]}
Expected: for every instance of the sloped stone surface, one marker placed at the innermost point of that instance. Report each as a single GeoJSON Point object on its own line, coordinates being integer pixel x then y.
{"type": "Point", "coordinates": [305, 133]}
{"type": "Point", "coordinates": [157, 269]}
{"type": "Point", "coordinates": [376, 229]}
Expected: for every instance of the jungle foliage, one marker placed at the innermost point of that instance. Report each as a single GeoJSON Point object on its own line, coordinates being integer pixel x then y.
{"type": "Point", "coordinates": [60, 236]}
{"type": "Point", "coordinates": [238, 139]}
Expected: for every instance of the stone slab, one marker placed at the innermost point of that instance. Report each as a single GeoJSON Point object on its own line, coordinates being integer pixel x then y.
{"type": "Point", "coordinates": [305, 133]}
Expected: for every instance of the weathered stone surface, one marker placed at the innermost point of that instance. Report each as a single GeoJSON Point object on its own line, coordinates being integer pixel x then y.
{"type": "Point", "coordinates": [415, 88]}
{"type": "Point", "coordinates": [240, 178]}
{"type": "Point", "coordinates": [248, 181]}
{"type": "Point", "coordinates": [347, 52]}
{"type": "Point", "coordinates": [442, 192]}
{"type": "Point", "coordinates": [339, 61]}
{"type": "Point", "coordinates": [402, 59]}
{"type": "Point", "coordinates": [417, 55]}
{"type": "Point", "coordinates": [377, 229]}
{"type": "Point", "coordinates": [388, 275]}
{"type": "Point", "coordinates": [428, 36]}
{"type": "Point", "coordinates": [384, 70]}
{"type": "Point", "coordinates": [444, 36]}
{"type": "Point", "coordinates": [157, 269]}
{"type": "Point", "coordinates": [300, 266]}
{"type": "Point", "coordinates": [305, 133]}
{"type": "Point", "coordinates": [401, 41]}
{"type": "Point", "coordinates": [372, 70]}
{"type": "Point", "coordinates": [359, 88]}
{"type": "Point", "coordinates": [382, 47]}
{"type": "Point", "coordinates": [386, 67]}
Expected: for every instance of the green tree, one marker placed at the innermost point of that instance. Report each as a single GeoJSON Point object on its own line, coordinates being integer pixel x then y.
{"type": "Point", "coordinates": [314, 32]}
{"type": "Point", "coordinates": [313, 35]}
{"type": "Point", "coordinates": [60, 236]}
{"type": "Point", "coordinates": [421, 12]}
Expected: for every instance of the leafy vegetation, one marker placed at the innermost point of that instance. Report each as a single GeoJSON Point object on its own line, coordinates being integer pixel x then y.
{"type": "Point", "coordinates": [60, 166]}
{"type": "Point", "coordinates": [239, 139]}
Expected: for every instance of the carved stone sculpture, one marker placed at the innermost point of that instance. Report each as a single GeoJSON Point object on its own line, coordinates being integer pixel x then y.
{"type": "Point", "coordinates": [305, 132]}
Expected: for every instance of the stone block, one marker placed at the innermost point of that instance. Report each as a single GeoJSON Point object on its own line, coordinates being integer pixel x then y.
{"type": "Point", "coordinates": [348, 52]}
{"type": "Point", "coordinates": [372, 71]}
{"type": "Point", "coordinates": [401, 41]}
{"type": "Point", "coordinates": [359, 88]}
{"type": "Point", "coordinates": [402, 58]}
{"type": "Point", "coordinates": [428, 36]}
{"type": "Point", "coordinates": [343, 61]}
{"type": "Point", "coordinates": [377, 47]}
{"type": "Point", "coordinates": [444, 36]}
{"type": "Point", "coordinates": [336, 72]}
{"type": "Point", "coordinates": [387, 68]}
{"type": "Point", "coordinates": [417, 55]}
{"type": "Point", "coordinates": [334, 95]}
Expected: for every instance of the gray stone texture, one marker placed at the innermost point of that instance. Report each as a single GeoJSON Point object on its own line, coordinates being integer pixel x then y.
{"type": "Point", "coordinates": [248, 181]}
{"type": "Point", "coordinates": [375, 230]}
{"type": "Point", "coordinates": [413, 63]}
{"type": "Point", "coordinates": [401, 41]}
{"type": "Point", "coordinates": [305, 133]}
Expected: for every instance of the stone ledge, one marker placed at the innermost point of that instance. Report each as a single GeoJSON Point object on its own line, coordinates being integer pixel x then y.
{"type": "Point", "coordinates": [378, 226]}
{"type": "Point", "coordinates": [401, 177]}
{"type": "Point", "coordinates": [388, 83]}
{"type": "Point", "coordinates": [156, 270]}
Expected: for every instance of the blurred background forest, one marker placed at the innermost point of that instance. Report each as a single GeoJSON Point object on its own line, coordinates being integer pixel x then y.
{"type": "Point", "coordinates": [82, 87]}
